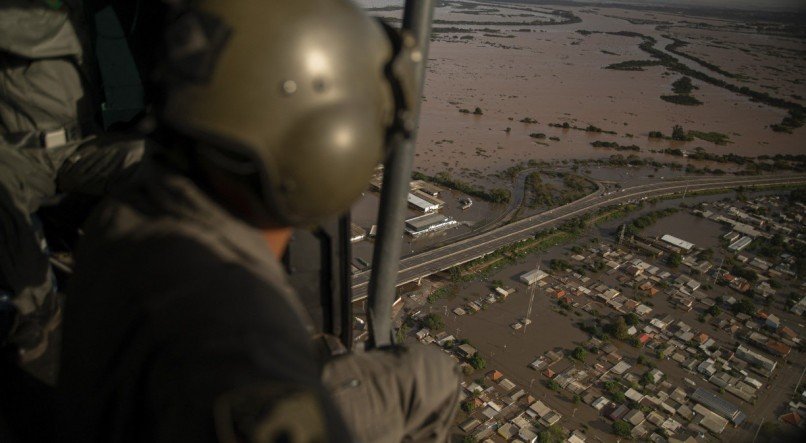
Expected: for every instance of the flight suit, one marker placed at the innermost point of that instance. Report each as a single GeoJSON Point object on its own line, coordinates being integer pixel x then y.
{"type": "Point", "coordinates": [180, 325]}
{"type": "Point", "coordinates": [47, 147]}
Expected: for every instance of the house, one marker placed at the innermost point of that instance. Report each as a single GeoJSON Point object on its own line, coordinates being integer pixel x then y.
{"type": "Point", "coordinates": [778, 348]}
{"type": "Point", "coordinates": [710, 420]}
{"type": "Point", "coordinates": [635, 417]}
{"type": "Point", "coordinates": [620, 368]}
{"type": "Point", "coordinates": [494, 375]}
{"type": "Point", "coordinates": [656, 375]}
{"type": "Point", "coordinates": [756, 359]}
{"type": "Point", "coordinates": [466, 351]}
{"type": "Point", "coordinates": [469, 425]}
{"type": "Point", "coordinates": [634, 395]}
{"type": "Point", "coordinates": [618, 413]}
{"type": "Point", "coordinates": [506, 385]}
{"type": "Point", "coordinates": [507, 431]}
{"type": "Point", "coordinates": [600, 403]}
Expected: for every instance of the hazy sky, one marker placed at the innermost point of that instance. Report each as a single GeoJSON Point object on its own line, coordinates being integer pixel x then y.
{"type": "Point", "coordinates": [743, 4]}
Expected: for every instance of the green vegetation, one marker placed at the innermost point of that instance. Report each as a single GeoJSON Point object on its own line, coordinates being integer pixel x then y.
{"type": "Point", "coordinates": [713, 137]}
{"type": "Point", "coordinates": [679, 134]}
{"type": "Point", "coordinates": [477, 361]}
{"type": "Point", "coordinates": [547, 195]}
{"type": "Point", "coordinates": [747, 274]}
{"type": "Point", "coordinates": [632, 319]}
{"type": "Point", "coordinates": [633, 65]}
{"type": "Point", "coordinates": [400, 334]}
{"type": "Point", "coordinates": [579, 353]}
{"type": "Point", "coordinates": [618, 328]}
{"type": "Point", "coordinates": [794, 120]}
{"type": "Point", "coordinates": [797, 112]}
{"type": "Point", "coordinates": [744, 306]}
{"type": "Point", "coordinates": [444, 179]}
{"type": "Point", "coordinates": [589, 128]}
{"type": "Point", "coordinates": [540, 194]}
{"type": "Point", "coordinates": [443, 292]}
{"type": "Point", "coordinates": [682, 86]}
{"type": "Point", "coordinates": [537, 135]}
{"type": "Point", "coordinates": [681, 99]}
{"type": "Point", "coordinates": [621, 428]}
{"type": "Point", "coordinates": [553, 434]}
{"type": "Point", "coordinates": [468, 406]}
{"type": "Point", "coordinates": [552, 385]}
{"type": "Point", "coordinates": [635, 226]}
{"type": "Point", "coordinates": [614, 145]}
{"type": "Point", "coordinates": [674, 260]}
{"type": "Point", "coordinates": [435, 322]}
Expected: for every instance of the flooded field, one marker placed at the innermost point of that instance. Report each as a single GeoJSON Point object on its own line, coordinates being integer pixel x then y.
{"type": "Point", "coordinates": [512, 62]}
{"type": "Point", "coordinates": [702, 232]}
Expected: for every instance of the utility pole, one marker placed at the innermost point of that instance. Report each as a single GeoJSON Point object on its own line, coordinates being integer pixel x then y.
{"type": "Point", "coordinates": [718, 270]}
{"type": "Point", "coordinates": [621, 234]}
{"type": "Point", "coordinates": [684, 192]}
{"type": "Point", "coordinates": [531, 300]}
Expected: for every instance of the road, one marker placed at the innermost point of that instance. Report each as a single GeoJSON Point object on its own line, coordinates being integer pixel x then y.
{"type": "Point", "coordinates": [444, 257]}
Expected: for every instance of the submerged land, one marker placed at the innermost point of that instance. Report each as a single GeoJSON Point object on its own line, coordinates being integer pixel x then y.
{"type": "Point", "coordinates": [531, 108]}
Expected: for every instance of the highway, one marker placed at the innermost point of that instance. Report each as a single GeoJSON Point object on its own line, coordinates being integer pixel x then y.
{"type": "Point", "coordinates": [464, 250]}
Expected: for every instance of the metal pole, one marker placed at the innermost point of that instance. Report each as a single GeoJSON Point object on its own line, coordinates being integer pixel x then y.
{"type": "Point", "coordinates": [396, 177]}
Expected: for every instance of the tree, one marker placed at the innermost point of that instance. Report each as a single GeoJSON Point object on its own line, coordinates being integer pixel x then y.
{"type": "Point", "coordinates": [678, 133]}
{"type": "Point", "coordinates": [553, 385]}
{"type": "Point", "coordinates": [632, 319]}
{"type": "Point", "coordinates": [468, 406]}
{"type": "Point", "coordinates": [434, 322]}
{"type": "Point", "coordinates": [477, 361]}
{"type": "Point", "coordinates": [579, 353]}
{"type": "Point", "coordinates": [675, 260]}
{"type": "Point", "coordinates": [621, 428]}
{"type": "Point", "coordinates": [400, 335]}
{"type": "Point", "coordinates": [478, 111]}
{"type": "Point", "coordinates": [745, 306]}
{"type": "Point", "coordinates": [714, 310]}
{"type": "Point", "coordinates": [618, 328]}
{"type": "Point", "coordinates": [468, 439]}
{"type": "Point", "coordinates": [553, 434]}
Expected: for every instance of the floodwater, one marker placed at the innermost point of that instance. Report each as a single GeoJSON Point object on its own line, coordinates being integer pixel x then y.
{"type": "Point", "coordinates": [702, 232]}
{"type": "Point", "coordinates": [554, 74]}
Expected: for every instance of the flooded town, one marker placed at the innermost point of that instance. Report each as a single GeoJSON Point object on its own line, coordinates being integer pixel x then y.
{"type": "Point", "coordinates": [643, 315]}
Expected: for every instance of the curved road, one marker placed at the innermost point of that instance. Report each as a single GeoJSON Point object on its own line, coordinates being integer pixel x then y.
{"type": "Point", "coordinates": [445, 257]}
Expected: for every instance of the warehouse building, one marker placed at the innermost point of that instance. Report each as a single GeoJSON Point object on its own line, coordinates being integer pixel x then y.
{"type": "Point", "coordinates": [679, 243]}
{"type": "Point", "coordinates": [740, 244]}
{"type": "Point", "coordinates": [533, 276]}
{"type": "Point", "coordinates": [428, 223]}
{"type": "Point", "coordinates": [424, 203]}
{"type": "Point", "coordinates": [719, 405]}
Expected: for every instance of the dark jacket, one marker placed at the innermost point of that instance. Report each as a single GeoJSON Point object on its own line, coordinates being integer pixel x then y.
{"type": "Point", "coordinates": [175, 306]}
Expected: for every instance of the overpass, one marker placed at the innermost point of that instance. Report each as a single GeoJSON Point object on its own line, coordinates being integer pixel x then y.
{"type": "Point", "coordinates": [428, 262]}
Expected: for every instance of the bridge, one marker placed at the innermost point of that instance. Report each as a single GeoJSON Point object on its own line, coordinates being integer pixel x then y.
{"type": "Point", "coordinates": [444, 257]}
